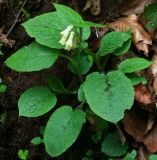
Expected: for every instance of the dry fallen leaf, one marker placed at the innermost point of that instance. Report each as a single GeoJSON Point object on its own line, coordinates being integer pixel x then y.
{"type": "Point", "coordinates": [143, 153]}
{"type": "Point", "coordinates": [141, 38]}
{"type": "Point", "coordinates": [6, 41]}
{"type": "Point", "coordinates": [150, 140]}
{"type": "Point", "coordinates": [94, 6]}
{"type": "Point", "coordinates": [142, 95]}
{"type": "Point", "coordinates": [134, 6]}
{"type": "Point", "coordinates": [135, 125]}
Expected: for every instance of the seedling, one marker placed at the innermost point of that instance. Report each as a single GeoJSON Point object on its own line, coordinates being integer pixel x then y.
{"type": "Point", "coordinates": [23, 154]}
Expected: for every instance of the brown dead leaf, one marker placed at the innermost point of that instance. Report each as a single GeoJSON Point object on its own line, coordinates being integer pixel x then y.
{"type": "Point", "coordinates": [135, 125]}
{"type": "Point", "coordinates": [142, 95]}
{"type": "Point", "coordinates": [154, 64]}
{"type": "Point", "coordinates": [143, 153]}
{"type": "Point", "coordinates": [141, 38]}
{"type": "Point", "coordinates": [150, 140]}
{"type": "Point", "coordinates": [6, 41]}
{"type": "Point", "coordinates": [134, 6]}
{"type": "Point", "coordinates": [94, 6]}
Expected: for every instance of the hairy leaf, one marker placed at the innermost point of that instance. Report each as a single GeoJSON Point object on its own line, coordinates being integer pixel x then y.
{"type": "Point", "coordinates": [34, 57]}
{"type": "Point", "coordinates": [62, 129]}
{"type": "Point", "coordinates": [112, 145]}
{"type": "Point", "coordinates": [46, 29]}
{"type": "Point", "coordinates": [150, 13]}
{"type": "Point", "coordinates": [112, 41]}
{"type": "Point", "coordinates": [109, 95]}
{"type": "Point", "coordinates": [123, 49]}
{"type": "Point", "coordinates": [134, 64]}
{"type": "Point", "coordinates": [36, 101]}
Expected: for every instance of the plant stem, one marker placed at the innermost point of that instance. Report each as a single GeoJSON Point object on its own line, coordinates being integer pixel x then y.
{"type": "Point", "coordinates": [66, 93]}
{"type": "Point", "coordinates": [98, 61]}
{"type": "Point", "coordinates": [75, 64]}
{"type": "Point", "coordinates": [96, 58]}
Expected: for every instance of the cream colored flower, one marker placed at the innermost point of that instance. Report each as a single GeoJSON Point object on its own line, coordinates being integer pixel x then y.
{"type": "Point", "coordinates": [65, 35]}
{"type": "Point", "coordinates": [69, 43]}
{"type": "Point", "coordinates": [69, 38]}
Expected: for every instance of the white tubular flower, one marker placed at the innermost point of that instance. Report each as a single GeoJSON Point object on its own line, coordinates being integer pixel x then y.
{"type": "Point", "coordinates": [65, 35]}
{"type": "Point", "coordinates": [69, 42]}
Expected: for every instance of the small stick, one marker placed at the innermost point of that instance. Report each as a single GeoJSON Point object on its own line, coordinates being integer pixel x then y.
{"type": "Point", "coordinates": [16, 19]}
{"type": "Point", "coordinates": [122, 137]}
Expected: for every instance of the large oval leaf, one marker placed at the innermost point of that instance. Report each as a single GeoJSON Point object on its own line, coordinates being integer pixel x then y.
{"type": "Point", "coordinates": [34, 57]}
{"type": "Point", "coordinates": [63, 129]}
{"type": "Point", "coordinates": [36, 101]}
{"type": "Point", "coordinates": [109, 95]}
{"type": "Point", "coordinates": [46, 29]}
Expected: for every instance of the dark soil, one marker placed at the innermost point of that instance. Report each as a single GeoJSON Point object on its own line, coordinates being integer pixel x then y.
{"type": "Point", "coordinates": [17, 132]}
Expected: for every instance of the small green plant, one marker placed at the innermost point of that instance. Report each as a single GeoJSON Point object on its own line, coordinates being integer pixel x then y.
{"type": "Point", "coordinates": [23, 154]}
{"type": "Point", "coordinates": [3, 87]}
{"type": "Point", "coordinates": [36, 140]}
{"type": "Point", "coordinates": [107, 95]}
{"type": "Point", "coordinates": [150, 14]}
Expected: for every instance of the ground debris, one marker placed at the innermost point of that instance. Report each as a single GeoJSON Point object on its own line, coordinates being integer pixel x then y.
{"type": "Point", "coordinates": [94, 6]}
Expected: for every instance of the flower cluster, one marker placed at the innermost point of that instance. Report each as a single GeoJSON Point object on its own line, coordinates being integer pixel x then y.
{"type": "Point", "coordinates": [69, 38]}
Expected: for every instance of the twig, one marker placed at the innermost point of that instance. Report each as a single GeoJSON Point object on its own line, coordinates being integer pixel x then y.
{"type": "Point", "coordinates": [16, 19]}
{"type": "Point", "coordinates": [122, 137]}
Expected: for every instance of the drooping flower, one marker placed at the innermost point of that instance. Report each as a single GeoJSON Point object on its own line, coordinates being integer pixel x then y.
{"type": "Point", "coordinates": [69, 42]}
{"type": "Point", "coordinates": [69, 38]}
{"type": "Point", "coordinates": [65, 35]}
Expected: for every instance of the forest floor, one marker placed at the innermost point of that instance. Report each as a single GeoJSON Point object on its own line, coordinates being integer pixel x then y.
{"type": "Point", "coordinates": [16, 132]}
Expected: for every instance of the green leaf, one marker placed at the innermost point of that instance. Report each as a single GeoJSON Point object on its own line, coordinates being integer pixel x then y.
{"type": "Point", "coordinates": [133, 65]}
{"type": "Point", "coordinates": [112, 145]}
{"type": "Point", "coordinates": [46, 29]}
{"type": "Point", "coordinates": [23, 154]}
{"type": "Point", "coordinates": [136, 79]}
{"type": "Point", "coordinates": [70, 17]}
{"type": "Point", "coordinates": [36, 141]}
{"type": "Point", "coordinates": [86, 32]}
{"type": "Point", "coordinates": [113, 41]}
{"type": "Point", "coordinates": [67, 15]}
{"type": "Point", "coordinates": [2, 88]}
{"type": "Point", "coordinates": [153, 157]}
{"type": "Point", "coordinates": [123, 49]}
{"type": "Point", "coordinates": [81, 96]}
{"type": "Point", "coordinates": [1, 53]}
{"type": "Point", "coordinates": [55, 84]}
{"type": "Point", "coordinates": [85, 63]}
{"type": "Point", "coordinates": [62, 129]}
{"type": "Point", "coordinates": [34, 57]}
{"type": "Point", "coordinates": [109, 95]}
{"type": "Point", "coordinates": [92, 24]}
{"type": "Point", "coordinates": [130, 156]}
{"type": "Point", "coordinates": [36, 101]}
{"type": "Point", "coordinates": [150, 13]}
